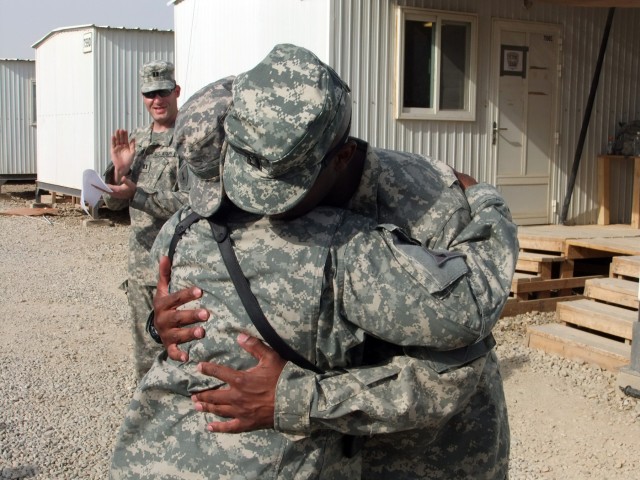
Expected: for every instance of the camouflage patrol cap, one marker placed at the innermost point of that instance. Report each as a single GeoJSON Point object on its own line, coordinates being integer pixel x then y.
{"type": "Point", "coordinates": [199, 140]}
{"type": "Point", "coordinates": [287, 111]}
{"type": "Point", "coordinates": [157, 75]}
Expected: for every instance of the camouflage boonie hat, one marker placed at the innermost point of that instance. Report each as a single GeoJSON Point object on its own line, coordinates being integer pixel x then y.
{"type": "Point", "coordinates": [157, 75]}
{"type": "Point", "coordinates": [287, 111]}
{"type": "Point", "coordinates": [199, 140]}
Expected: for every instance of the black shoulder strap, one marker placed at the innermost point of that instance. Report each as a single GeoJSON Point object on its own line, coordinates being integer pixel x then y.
{"type": "Point", "coordinates": [179, 231]}
{"type": "Point", "coordinates": [177, 235]}
{"type": "Point", "coordinates": [251, 305]}
{"type": "Point", "coordinates": [351, 444]}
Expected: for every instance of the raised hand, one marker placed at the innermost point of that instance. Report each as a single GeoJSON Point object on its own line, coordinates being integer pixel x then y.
{"type": "Point", "coordinates": [122, 152]}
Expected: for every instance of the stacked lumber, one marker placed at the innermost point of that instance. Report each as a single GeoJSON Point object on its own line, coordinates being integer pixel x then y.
{"type": "Point", "coordinates": [541, 280]}
{"type": "Point", "coordinates": [598, 327]}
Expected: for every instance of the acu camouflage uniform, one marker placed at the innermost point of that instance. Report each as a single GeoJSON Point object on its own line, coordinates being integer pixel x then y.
{"type": "Point", "coordinates": [452, 419]}
{"type": "Point", "coordinates": [157, 173]}
{"type": "Point", "coordinates": [327, 282]}
{"type": "Point", "coordinates": [426, 419]}
{"type": "Point", "coordinates": [452, 416]}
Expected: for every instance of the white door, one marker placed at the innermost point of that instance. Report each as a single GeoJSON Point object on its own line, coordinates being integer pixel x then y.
{"type": "Point", "coordinates": [524, 116]}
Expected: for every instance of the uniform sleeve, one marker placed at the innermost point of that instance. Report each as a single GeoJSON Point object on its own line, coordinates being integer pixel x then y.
{"type": "Point", "coordinates": [398, 291]}
{"type": "Point", "coordinates": [161, 203]}
{"type": "Point", "coordinates": [405, 294]}
{"type": "Point", "coordinates": [490, 245]}
{"type": "Point", "coordinates": [110, 202]}
{"type": "Point", "coordinates": [402, 394]}
{"type": "Point", "coordinates": [454, 305]}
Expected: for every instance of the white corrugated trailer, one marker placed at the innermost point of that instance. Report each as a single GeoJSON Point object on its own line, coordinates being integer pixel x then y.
{"type": "Point", "coordinates": [87, 87]}
{"type": "Point", "coordinates": [17, 120]}
{"type": "Point", "coordinates": [514, 125]}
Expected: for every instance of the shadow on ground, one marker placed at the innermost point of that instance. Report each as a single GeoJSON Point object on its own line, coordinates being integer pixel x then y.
{"type": "Point", "coordinates": [118, 217]}
{"type": "Point", "coordinates": [510, 365]}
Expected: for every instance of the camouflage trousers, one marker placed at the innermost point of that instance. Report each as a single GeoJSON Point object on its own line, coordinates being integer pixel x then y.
{"type": "Point", "coordinates": [145, 349]}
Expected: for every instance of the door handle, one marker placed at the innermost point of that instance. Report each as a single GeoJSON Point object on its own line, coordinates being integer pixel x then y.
{"type": "Point", "coordinates": [494, 136]}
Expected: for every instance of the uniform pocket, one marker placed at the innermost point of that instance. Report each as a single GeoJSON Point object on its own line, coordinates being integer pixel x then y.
{"type": "Point", "coordinates": [358, 381]}
{"type": "Point", "coordinates": [156, 173]}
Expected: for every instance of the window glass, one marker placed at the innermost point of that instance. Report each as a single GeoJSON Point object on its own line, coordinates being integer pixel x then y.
{"type": "Point", "coordinates": [418, 64]}
{"type": "Point", "coordinates": [454, 69]}
{"type": "Point", "coordinates": [436, 65]}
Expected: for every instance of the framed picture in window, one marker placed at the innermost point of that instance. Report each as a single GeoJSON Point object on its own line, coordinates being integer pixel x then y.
{"type": "Point", "coordinates": [513, 60]}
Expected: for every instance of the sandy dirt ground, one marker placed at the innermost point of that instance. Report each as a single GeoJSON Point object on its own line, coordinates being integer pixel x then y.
{"type": "Point", "coordinates": [66, 376]}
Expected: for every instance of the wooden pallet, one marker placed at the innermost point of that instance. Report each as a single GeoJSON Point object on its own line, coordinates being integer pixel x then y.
{"type": "Point", "coordinates": [623, 266]}
{"type": "Point", "coordinates": [613, 290]}
{"type": "Point", "coordinates": [556, 261]}
{"type": "Point", "coordinates": [538, 263]}
{"type": "Point", "coordinates": [518, 307]}
{"type": "Point", "coordinates": [598, 317]}
{"type": "Point", "coordinates": [576, 344]}
{"type": "Point", "coordinates": [587, 240]}
{"type": "Point", "coordinates": [541, 280]}
{"type": "Point", "coordinates": [531, 287]}
{"type": "Point", "coordinates": [598, 328]}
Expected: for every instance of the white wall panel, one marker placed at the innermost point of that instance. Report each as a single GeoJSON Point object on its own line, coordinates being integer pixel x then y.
{"type": "Point", "coordinates": [65, 108]}
{"type": "Point", "coordinates": [364, 55]}
{"type": "Point", "coordinates": [17, 125]}
{"type": "Point", "coordinates": [217, 38]}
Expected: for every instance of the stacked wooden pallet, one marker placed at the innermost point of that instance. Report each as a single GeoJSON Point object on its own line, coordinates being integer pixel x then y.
{"type": "Point", "coordinates": [542, 279]}
{"type": "Point", "coordinates": [598, 327]}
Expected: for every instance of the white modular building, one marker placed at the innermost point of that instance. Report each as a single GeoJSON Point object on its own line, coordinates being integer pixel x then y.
{"type": "Point", "coordinates": [496, 88]}
{"type": "Point", "coordinates": [88, 86]}
{"type": "Point", "coordinates": [17, 120]}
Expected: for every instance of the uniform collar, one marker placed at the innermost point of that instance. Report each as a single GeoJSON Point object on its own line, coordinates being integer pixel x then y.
{"type": "Point", "coordinates": [364, 200]}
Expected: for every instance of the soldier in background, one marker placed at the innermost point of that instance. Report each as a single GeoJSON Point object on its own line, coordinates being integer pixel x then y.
{"type": "Point", "coordinates": [144, 176]}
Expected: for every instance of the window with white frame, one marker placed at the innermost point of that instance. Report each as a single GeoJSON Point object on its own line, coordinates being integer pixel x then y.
{"type": "Point", "coordinates": [436, 65]}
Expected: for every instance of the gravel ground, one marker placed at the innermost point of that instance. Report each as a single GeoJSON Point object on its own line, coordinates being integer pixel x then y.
{"type": "Point", "coordinates": [66, 376]}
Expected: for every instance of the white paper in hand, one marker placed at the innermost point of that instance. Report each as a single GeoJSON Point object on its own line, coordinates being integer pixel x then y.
{"type": "Point", "coordinates": [92, 189]}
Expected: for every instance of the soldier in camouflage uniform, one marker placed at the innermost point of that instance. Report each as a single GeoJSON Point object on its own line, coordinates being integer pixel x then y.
{"type": "Point", "coordinates": [144, 176]}
{"type": "Point", "coordinates": [426, 418]}
{"type": "Point", "coordinates": [313, 278]}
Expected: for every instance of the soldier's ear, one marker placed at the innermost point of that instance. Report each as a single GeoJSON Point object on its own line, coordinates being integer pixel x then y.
{"type": "Point", "coordinates": [344, 155]}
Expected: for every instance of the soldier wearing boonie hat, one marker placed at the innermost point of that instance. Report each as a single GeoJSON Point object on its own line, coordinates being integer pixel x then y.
{"type": "Point", "coordinates": [157, 75]}
{"type": "Point", "coordinates": [329, 322]}
{"type": "Point", "coordinates": [279, 136]}
{"type": "Point", "coordinates": [279, 132]}
{"type": "Point", "coordinates": [199, 141]}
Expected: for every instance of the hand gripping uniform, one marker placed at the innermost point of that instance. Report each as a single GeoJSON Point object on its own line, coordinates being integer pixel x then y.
{"type": "Point", "coordinates": [157, 172]}
{"type": "Point", "coordinates": [330, 283]}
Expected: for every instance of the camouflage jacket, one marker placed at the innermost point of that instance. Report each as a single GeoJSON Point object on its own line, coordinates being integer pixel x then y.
{"type": "Point", "coordinates": [452, 423]}
{"type": "Point", "coordinates": [156, 170]}
{"type": "Point", "coordinates": [328, 282]}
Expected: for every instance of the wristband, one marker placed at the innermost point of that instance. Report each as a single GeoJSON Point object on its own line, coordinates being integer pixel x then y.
{"type": "Point", "coordinates": [151, 328]}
